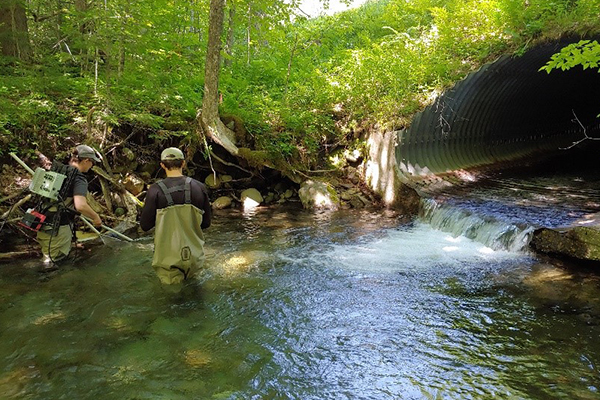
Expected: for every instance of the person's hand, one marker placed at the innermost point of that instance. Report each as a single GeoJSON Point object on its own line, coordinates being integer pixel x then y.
{"type": "Point", "coordinates": [97, 222]}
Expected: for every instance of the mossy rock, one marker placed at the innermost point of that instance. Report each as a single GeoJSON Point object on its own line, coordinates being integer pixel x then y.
{"type": "Point", "coordinates": [134, 184]}
{"type": "Point", "coordinates": [318, 195]}
{"type": "Point", "coordinates": [222, 202]}
{"type": "Point", "coordinates": [252, 194]}
{"type": "Point", "coordinates": [129, 154]}
{"type": "Point", "coordinates": [255, 158]}
{"type": "Point", "coordinates": [212, 181]}
{"type": "Point", "coordinates": [578, 242]}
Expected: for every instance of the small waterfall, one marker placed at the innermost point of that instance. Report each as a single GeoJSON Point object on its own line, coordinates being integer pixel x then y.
{"type": "Point", "coordinates": [494, 233]}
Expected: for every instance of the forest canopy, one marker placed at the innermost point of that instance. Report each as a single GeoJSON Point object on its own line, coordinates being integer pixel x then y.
{"type": "Point", "coordinates": [96, 69]}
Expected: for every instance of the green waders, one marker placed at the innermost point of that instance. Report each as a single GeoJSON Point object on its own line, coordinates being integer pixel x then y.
{"type": "Point", "coordinates": [54, 239]}
{"type": "Point", "coordinates": [55, 247]}
{"type": "Point", "coordinates": [178, 238]}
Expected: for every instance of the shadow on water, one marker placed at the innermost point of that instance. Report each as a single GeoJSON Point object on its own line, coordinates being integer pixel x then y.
{"type": "Point", "coordinates": [294, 305]}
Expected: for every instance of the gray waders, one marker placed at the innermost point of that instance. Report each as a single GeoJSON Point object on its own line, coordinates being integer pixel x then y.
{"type": "Point", "coordinates": [178, 238]}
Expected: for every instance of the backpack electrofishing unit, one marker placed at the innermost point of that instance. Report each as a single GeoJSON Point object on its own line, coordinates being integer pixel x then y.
{"type": "Point", "coordinates": [52, 190]}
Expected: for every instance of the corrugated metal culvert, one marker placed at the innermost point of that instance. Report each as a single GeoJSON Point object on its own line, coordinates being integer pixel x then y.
{"type": "Point", "coordinates": [506, 111]}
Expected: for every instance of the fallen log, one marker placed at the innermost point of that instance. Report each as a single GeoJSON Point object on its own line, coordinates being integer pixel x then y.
{"type": "Point", "coordinates": [119, 186]}
{"type": "Point", "coordinates": [18, 254]}
{"type": "Point", "coordinates": [16, 205]}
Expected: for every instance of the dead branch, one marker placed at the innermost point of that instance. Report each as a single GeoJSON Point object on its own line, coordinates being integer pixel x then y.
{"type": "Point", "coordinates": [16, 205]}
{"type": "Point", "coordinates": [46, 162]}
{"type": "Point", "coordinates": [114, 146]}
{"type": "Point", "coordinates": [130, 201]}
{"type": "Point", "coordinates": [19, 254]}
{"type": "Point", "coordinates": [12, 196]}
{"type": "Point", "coordinates": [209, 151]}
{"type": "Point", "coordinates": [106, 194]}
{"type": "Point", "coordinates": [88, 123]}
{"type": "Point", "coordinates": [585, 135]}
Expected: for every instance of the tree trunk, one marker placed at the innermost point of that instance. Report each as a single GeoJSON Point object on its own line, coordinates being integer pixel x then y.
{"type": "Point", "coordinates": [14, 34]}
{"type": "Point", "coordinates": [248, 41]}
{"type": "Point", "coordinates": [289, 69]}
{"type": "Point", "coordinates": [229, 41]}
{"type": "Point", "coordinates": [209, 115]}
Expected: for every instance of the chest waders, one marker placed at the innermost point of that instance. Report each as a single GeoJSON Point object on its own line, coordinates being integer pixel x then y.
{"type": "Point", "coordinates": [178, 238]}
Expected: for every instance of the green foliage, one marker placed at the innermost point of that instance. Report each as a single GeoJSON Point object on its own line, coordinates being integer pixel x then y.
{"type": "Point", "coordinates": [302, 86]}
{"type": "Point", "coordinates": [585, 53]}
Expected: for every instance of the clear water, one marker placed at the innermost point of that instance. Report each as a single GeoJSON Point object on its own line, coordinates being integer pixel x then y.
{"type": "Point", "coordinates": [503, 211]}
{"type": "Point", "coordinates": [296, 305]}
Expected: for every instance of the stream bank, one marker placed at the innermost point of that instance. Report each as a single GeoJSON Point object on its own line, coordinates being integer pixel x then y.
{"type": "Point", "coordinates": [363, 178]}
{"type": "Point", "coordinates": [118, 185]}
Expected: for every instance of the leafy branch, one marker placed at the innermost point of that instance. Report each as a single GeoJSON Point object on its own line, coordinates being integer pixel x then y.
{"type": "Point", "coordinates": [585, 53]}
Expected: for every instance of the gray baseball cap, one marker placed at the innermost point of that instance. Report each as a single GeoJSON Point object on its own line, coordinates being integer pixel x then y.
{"type": "Point", "coordinates": [84, 151]}
{"type": "Point", "coordinates": [171, 153]}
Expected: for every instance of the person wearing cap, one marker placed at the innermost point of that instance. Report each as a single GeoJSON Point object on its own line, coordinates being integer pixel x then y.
{"type": "Point", "coordinates": [179, 208]}
{"type": "Point", "coordinates": [56, 243]}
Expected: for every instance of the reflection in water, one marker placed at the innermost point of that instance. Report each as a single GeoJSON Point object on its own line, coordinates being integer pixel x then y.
{"type": "Point", "coordinates": [343, 305]}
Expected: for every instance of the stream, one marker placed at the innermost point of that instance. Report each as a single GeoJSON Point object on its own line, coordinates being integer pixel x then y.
{"type": "Point", "coordinates": [333, 305]}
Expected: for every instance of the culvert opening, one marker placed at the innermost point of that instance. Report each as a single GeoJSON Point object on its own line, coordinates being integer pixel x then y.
{"type": "Point", "coordinates": [505, 114]}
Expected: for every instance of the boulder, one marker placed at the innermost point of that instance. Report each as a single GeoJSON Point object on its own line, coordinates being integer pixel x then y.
{"type": "Point", "coordinates": [580, 242]}
{"type": "Point", "coordinates": [133, 184]}
{"type": "Point", "coordinates": [212, 181]}
{"type": "Point", "coordinates": [269, 198]}
{"type": "Point", "coordinates": [356, 202]}
{"type": "Point", "coordinates": [288, 194]}
{"type": "Point", "coordinates": [318, 195]}
{"type": "Point", "coordinates": [222, 202]}
{"type": "Point", "coordinates": [129, 154]}
{"type": "Point", "coordinates": [252, 194]}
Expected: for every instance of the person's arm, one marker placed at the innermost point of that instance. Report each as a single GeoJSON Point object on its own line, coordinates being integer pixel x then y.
{"type": "Point", "coordinates": [148, 217]}
{"type": "Point", "coordinates": [81, 205]}
{"type": "Point", "coordinates": [80, 189]}
{"type": "Point", "coordinates": [207, 216]}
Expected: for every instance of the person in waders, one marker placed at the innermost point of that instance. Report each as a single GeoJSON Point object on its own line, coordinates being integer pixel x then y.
{"type": "Point", "coordinates": [55, 238]}
{"type": "Point", "coordinates": [180, 209]}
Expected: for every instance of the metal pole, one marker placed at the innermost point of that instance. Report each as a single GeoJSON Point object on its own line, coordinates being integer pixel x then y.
{"type": "Point", "coordinates": [13, 155]}
{"type": "Point", "coordinates": [119, 234]}
{"type": "Point", "coordinates": [92, 227]}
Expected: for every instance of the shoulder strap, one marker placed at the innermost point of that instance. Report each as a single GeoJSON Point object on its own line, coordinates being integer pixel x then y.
{"type": "Point", "coordinates": [186, 187]}
{"type": "Point", "coordinates": [188, 190]}
{"type": "Point", "coordinates": [167, 192]}
{"type": "Point", "coordinates": [70, 172]}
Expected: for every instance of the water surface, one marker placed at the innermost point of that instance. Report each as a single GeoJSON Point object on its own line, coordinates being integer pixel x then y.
{"type": "Point", "coordinates": [296, 305]}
